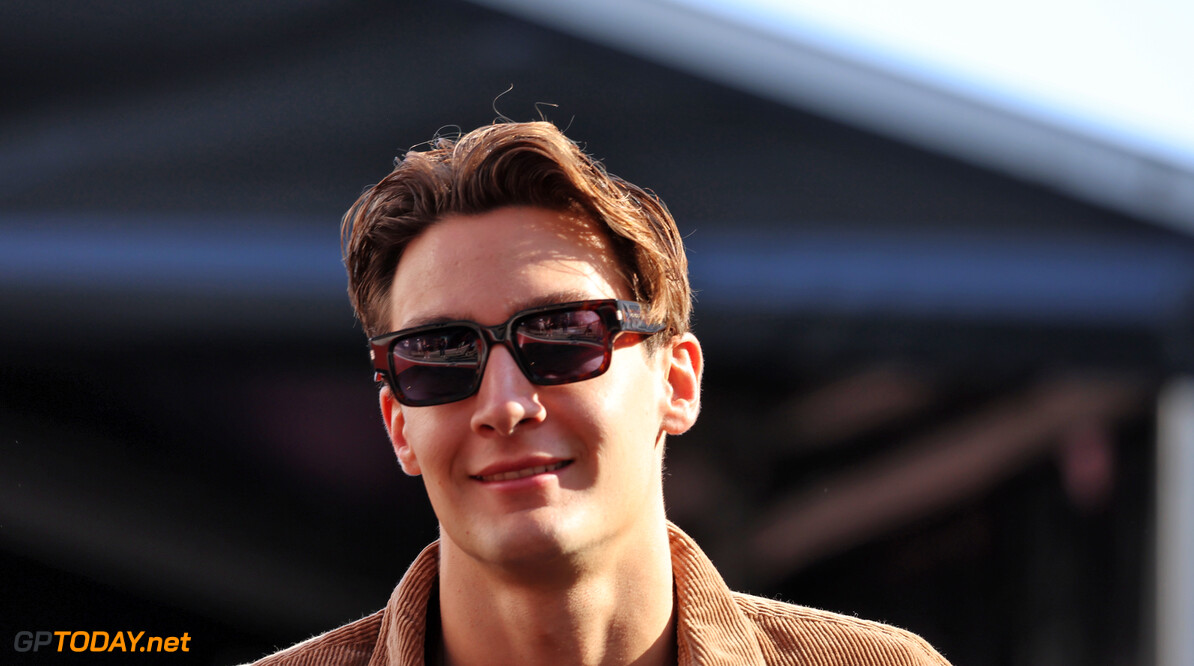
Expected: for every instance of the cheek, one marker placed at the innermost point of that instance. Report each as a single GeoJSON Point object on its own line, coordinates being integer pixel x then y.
{"type": "Point", "coordinates": [634, 394]}
{"type": "Point", "coordinates": [429, 439]}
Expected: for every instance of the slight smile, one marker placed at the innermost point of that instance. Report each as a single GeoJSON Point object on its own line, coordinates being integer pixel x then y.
{"type": "Point", "coordinates": [524, 472]}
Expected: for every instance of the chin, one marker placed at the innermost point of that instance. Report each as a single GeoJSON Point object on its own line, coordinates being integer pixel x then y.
{"type": "Point", "coordinates": [533, 539]}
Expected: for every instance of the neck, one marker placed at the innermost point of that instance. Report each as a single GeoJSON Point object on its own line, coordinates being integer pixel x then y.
{"type": "Point", "coordinates": [614, 606]}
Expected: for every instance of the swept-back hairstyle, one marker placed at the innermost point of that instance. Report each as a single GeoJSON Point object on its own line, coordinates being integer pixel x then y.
{"type": "Point", "coordinates": [512, 164]}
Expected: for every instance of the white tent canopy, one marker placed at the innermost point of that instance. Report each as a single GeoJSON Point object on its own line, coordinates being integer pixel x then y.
{"type": "Point", "coordinates": [1092, 98]}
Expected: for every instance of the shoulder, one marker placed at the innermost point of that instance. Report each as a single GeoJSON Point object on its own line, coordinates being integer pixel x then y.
{"type": "Point", "coordinates": [800, 635]}
{"type": "Point", "coordinates": [349, 645]}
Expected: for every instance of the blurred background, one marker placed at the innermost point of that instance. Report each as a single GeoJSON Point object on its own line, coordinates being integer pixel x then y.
{"type": "Point", "coordinates": [945, 273]}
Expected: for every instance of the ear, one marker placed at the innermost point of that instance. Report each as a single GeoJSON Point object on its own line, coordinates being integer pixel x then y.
{"type": "Point", "coordinates": [395, 420]}
{"type": "Point", "coordinates": [685, 365]}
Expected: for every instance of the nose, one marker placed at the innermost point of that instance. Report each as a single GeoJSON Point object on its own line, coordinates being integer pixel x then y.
{"type": "Point", "coordinates": [506, 399]}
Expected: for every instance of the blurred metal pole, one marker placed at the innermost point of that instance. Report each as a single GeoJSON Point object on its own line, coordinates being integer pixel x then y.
{"type": "Point", "coordinates": [1175, 524]}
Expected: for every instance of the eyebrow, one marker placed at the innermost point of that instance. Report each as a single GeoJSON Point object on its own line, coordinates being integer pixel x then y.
{"type": "Point", "coordinates": [554, 299]}
{"type": "Point", "coordinates": [528, 304]}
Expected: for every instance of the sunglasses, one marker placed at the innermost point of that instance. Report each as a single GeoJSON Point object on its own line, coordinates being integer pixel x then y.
{"type": "Point", "coordinates": [555, 344]}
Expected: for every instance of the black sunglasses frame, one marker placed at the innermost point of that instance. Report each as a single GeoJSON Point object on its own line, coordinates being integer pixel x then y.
{"type": "Point", "coordinates": [617, 316]}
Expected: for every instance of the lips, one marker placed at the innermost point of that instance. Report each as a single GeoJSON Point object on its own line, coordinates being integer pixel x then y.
{"type": "Point", "coordinates": [522, 472]}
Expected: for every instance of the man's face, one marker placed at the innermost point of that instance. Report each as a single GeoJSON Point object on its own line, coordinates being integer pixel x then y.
{"type": "Point", "coordinates": [605, 435]}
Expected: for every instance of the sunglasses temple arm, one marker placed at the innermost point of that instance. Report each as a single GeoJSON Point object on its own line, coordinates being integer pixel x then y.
{"type": "Point", "coordinates": [631, 315]}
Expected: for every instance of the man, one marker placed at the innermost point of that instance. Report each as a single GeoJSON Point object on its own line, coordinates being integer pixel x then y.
{"type": "Point", "coordinates": [528, 316]}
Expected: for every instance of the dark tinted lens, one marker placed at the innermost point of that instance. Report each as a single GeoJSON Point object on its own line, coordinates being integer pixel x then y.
{"type": "Point", "coordinates": [563, 346]}
{"type": "Point", "coordinates": [436, 366]}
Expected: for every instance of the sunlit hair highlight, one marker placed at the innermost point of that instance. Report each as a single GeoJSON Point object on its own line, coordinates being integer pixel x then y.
{"type": "Point", "coordinates": [512, 164]}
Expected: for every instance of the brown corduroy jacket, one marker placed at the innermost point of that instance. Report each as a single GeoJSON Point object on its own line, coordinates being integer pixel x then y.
{"type": "Point", "coordinates": [714, 626]}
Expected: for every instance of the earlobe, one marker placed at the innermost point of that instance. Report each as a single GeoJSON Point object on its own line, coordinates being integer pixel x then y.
{"type": "Point", "coordinates": [391, 414]}
{"type": "Point", "coordinates": [685, 365]}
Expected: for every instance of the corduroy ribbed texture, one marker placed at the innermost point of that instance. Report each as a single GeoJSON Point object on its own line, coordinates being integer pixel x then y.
{"type": "Point", "coordinates": [715, 626]}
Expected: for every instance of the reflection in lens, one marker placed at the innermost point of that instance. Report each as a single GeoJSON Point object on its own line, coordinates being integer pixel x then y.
{"type": "Point", "coordinates": [446, 346]}
{"type": "Point", "coordinates": [563, 346]}
{"type": "Point", "coordinates": [574, 325]}
{"type": "Point", "coordinates": [437, 365]}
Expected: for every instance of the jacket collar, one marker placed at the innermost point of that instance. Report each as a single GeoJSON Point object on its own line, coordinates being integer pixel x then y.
{"type": "Point", "coordinates": [710, 628]}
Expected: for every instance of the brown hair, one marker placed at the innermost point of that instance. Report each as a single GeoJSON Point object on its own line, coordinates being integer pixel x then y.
{"type": "Point", "coordinates": [512, 164]}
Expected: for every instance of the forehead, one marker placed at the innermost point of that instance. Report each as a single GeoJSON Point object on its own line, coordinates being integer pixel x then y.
{"type": "Point", "coordinates": [485, 267]}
